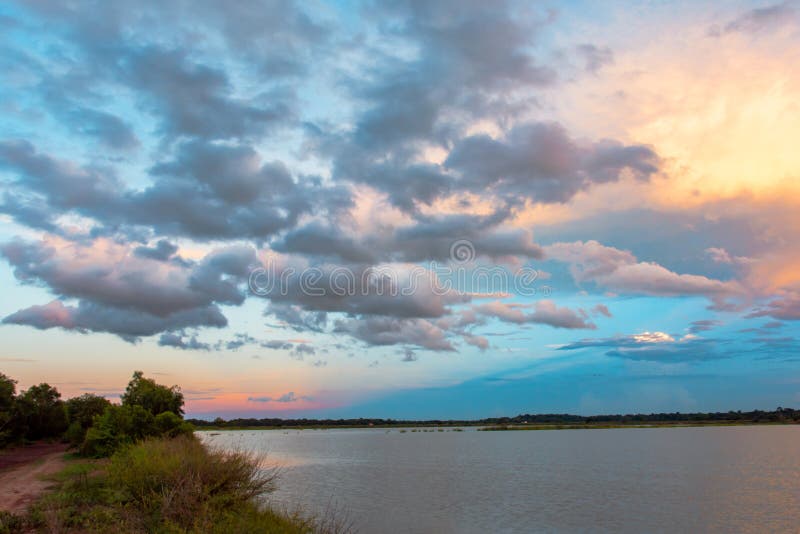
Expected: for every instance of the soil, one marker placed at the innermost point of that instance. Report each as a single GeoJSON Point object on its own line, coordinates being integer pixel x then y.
{"type": "Point", "coordinates": [23, 473]}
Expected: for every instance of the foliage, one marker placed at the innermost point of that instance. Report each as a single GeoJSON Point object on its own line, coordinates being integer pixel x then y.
{"type": "Point", "coordinates": [8, 389]}
{"type": "Point", "coordinates": [153, 397]}
{"type": "Point", "coordinates": [123, 425]}
{"type": "Point", "coordinates": [170, 425]}
{"type": "Point", "coordinates": [39, 413]}
{"type": "Point", "coordinates": [81, 412]}
{"type": "Point", "coordinates": [117, 426]}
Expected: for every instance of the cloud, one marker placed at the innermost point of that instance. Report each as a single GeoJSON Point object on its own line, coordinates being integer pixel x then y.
{"type": "Point", "coordinates": [654, 346]}
{"type": "Point", "coordinates": [276, 344]}
{"type": "Point", "coordinates": [285, 398]}
{"type": "Point", "coordinates": [178, 341]}
{"type": "Point", "coordinates": [209, 191]}
{"type": "Point", "coordinates": [162, 251]}
{"type": "Point", "coordinates": [758, 20]}
{"type": "Point", "coordinates": [107, 128]}
{"type": "Point", "coordinates": [541, 162]}
{"type": "Point", "coordinates": [602, 309]}
{"type": "Point", "coordinates": [122, 293]}
{"type": "Point", "coordinates": [720, 255]}
{"type": "Point", "coordinates": [399, 290]}
{"type": "Point", "coordinates": [620, 271]}
{"type": "Point", "coordinates": [129, 324]}
{"type": "Point", "coordinates": [703, 325]}
{"type": "Point", "coordinates": [594, 57]}
{"type": "Point", "coordinates": [394, 331]}
{"type": "Point", "coordinates": [428, 238]}
{"type": "Point", "coordinates": [476, 341]}
{"type": "Point", "coordinates": [784, 308]}
{"type": "Point", "coordinates": [301, 350]}
{"type": "Point", "coordinates": [544, 312]}
{"type": "Point", "coordinates": [409, 355]}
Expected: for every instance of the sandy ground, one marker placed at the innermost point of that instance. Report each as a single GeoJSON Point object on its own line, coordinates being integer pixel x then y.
{"type": "Point", "coordinates": [23, 470]}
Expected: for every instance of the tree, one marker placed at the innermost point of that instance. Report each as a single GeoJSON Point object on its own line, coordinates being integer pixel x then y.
{"type": "Point", "coordinates": [39, 413]}
{"type": "Point", "coordinates": [8, 389]}
{"type": "Point", "coordinates": [153, 397]}
{"type": "Point", "coordinates": [81, 412]}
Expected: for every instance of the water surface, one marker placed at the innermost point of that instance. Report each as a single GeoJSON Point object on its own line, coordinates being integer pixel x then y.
{"type": "Point", "coordinates": [721, 479]}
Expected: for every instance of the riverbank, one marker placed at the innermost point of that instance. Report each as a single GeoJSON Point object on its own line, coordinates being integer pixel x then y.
{"type": "Point", "coordinates": [172, 485]}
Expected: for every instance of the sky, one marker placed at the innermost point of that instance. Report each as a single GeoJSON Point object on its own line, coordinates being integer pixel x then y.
{"type": "Point", "coordinates": [403, 209]}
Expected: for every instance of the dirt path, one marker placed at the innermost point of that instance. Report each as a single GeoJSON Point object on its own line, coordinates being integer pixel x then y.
{"type": "Point", "coordinates": [21, 482]}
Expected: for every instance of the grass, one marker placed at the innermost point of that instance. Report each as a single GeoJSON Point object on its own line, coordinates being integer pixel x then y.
{"type": "Point", "coordinates": [169, 486]}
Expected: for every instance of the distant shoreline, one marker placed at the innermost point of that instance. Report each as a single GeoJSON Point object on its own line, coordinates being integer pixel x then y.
{"type": "Point", "coordinates": [542, 421]}
{"type": "Point", "coordinates": [505, 428]}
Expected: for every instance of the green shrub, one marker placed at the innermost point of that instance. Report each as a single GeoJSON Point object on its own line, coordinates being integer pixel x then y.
{"type": "Point", "coordinates": [81, 412]}
{"type": "Point", "coordinates": [180, 483]}
{"type": "Point", "coordinates": [116, 427]}
{"type": "Point", "coordinates": [170, 425]}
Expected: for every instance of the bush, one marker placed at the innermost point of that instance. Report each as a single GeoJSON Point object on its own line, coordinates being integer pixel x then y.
{"type": "Point", "coordinates": [116, 427]}
{"type": "Point", "coordinates": [179, 482]}
{"type": "Point", "coordinates": [81, 412]}
{"type": "Point", "coordinates": [124, 425]}
{"type": "Point", "coordinates": [170, 425]}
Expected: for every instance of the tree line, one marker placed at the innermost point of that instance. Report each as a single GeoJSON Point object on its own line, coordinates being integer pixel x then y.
{"type": "Point", "coordinates": [90, 423]}
{"type": "Point", "coordinates": [779, 415]}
